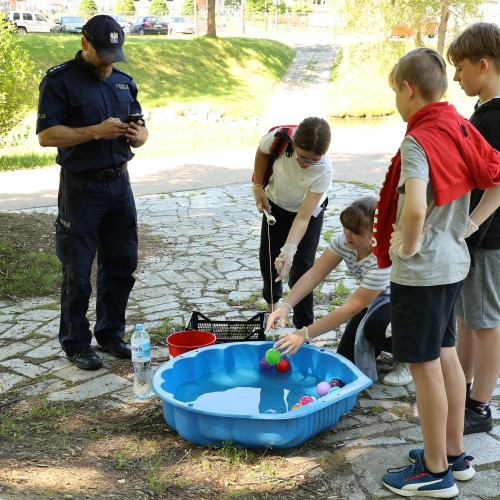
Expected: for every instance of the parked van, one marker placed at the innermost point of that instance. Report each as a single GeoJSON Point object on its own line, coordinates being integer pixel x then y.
{"type": "Point", "coordinates": [29, 22]}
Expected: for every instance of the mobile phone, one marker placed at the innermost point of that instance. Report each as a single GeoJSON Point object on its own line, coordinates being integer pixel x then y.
{"type": "Point", "coordinates": [134, 118]}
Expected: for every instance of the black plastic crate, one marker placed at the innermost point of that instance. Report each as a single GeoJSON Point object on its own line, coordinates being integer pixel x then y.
{"type": "Point", "coordinates": [229, 331]}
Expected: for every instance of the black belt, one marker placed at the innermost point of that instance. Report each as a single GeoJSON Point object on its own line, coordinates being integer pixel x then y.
{"type": "Point", "coordinates": [108, 174]}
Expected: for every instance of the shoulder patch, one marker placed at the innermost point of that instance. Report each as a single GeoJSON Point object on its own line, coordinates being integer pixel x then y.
{"type": "Point", "coordinates": [57, 69]}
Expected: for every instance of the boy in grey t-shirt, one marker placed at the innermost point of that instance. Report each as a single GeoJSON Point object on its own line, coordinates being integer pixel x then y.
{"type": "Point", "coordinates": [423, 209]}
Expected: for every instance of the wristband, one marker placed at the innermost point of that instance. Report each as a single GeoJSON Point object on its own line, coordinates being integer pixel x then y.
{"type": "Point", "coordinates": [287, 306]}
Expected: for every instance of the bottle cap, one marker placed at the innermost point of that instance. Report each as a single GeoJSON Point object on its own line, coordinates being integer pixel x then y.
{"type": "Point", "coordinates": [138, 326]}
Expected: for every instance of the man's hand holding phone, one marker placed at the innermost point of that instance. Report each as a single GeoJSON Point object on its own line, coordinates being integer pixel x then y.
{"type": "Point", "coordinates": [134, 118]}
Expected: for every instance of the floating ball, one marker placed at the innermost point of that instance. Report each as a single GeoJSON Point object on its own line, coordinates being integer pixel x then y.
{"type": "Point", "coordinates": [271, 411]}
{"type": "Point", "coordinates": [336, 382]}
{"type": "Point", "coordinates": [333, 389]}
{"type": "Point", "coordinates": [295, 406]}
{"type": "Point", "coordinates": [322, 389]}
{"type": "Point", "coordinates": [264, 365]}
{"type": "Point", "coordinates": [282, 365]}
{"type": "Point", "coordinates": [304, 400]}
{"type": "Point", "coordinates": [272, 356]}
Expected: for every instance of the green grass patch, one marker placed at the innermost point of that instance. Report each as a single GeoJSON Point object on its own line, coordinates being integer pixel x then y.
{"type": "Point", "coordinates": [28, 160]}
{"type": "Point", "coordinates": [198, 94]}
{"type": "Point", "coordinates": [38, 419]}
{"type": "Point", "coordinates": [232, 73]}
{"type": "Point", "coordinates": [364, 92]}
{"type": "Point", "coordinates": [27, 274]}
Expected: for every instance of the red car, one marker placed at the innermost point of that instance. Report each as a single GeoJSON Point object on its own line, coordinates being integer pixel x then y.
{"type": "Point", "coordinates": [428, 27]}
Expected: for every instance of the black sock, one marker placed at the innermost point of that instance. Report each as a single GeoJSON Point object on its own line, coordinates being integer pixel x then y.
{"type": "Point", "coordinates": [452, 458]}
{"type": "Point", "coordinates": [437, 474]}
{"type": "Point", "coordinates": [467, 389]}
{"type": "Point", "coordinates": [477, 406]}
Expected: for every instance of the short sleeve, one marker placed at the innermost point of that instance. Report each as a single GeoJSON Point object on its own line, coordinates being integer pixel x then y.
{"type": "Point", "coordinates": [414, 162]}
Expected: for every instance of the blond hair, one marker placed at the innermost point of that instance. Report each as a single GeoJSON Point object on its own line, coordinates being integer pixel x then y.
{"type": "Point", "coordinates": [479, 40]}
{"type": "Point", "coordinates": [425, 69]}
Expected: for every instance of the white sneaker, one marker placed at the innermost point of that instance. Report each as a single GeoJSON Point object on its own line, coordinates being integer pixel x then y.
{"type": "Point", "coordinates": [399, 376]}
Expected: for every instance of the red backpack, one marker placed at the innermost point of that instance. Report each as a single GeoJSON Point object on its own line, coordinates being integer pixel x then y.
{"type": "Point", "coordinates": [282, 143]}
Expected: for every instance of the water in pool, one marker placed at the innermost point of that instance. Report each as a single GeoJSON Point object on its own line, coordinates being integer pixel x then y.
{"type": "Point", "coordinates": [247, 390]}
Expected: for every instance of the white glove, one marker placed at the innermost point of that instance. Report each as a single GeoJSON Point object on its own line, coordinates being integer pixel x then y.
{"type": "Point", "coordinates": [388, 331]}
{"type": "Point", "coordinates": [283, 262]}
{"type": "Point", "coordinates": [397, 242]}
{"type": "Point", "coordinates": [260, 197]}
{"type": "Point", "coordinates": [471, 227]}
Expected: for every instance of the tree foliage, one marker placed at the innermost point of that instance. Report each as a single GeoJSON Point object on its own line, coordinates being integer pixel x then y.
{"type": "Point", "coordinates": [87, 8]}
{"type": "Point", "coordinates": [16, 75]}
{"type": "Point", "coordinates": [125, 7]}
{"type": "Point", "coordinates": [187, 8]}
{"type": "Point", "coordinates": [374, 16]}
{"type": "Point", "coordinates": [158, 8]}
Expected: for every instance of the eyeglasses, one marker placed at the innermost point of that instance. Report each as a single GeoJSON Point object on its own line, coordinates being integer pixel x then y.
{"type": "Point", "coordinates": [307, 161]}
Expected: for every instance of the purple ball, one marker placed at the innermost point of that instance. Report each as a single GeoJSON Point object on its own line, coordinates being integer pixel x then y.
{"type": "Point", "coordinates": [322, 388]}
{"type": "Point", "coordinates": [264, 365]}
{"type": "Point", "coordinates": [336, 382]}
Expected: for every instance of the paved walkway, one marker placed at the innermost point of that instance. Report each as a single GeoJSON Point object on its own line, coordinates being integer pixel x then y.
{"type": "Point", "coordinates": [210, 264]}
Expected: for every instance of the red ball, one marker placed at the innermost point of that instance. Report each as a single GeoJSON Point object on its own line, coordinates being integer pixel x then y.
{"type": "Point", "coordinates": [282, 365]}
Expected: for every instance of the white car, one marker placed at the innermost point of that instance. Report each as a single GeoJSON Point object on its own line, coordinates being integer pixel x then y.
{"type": "Point", "coordinates": [124, 24]}
{"type": "Point", "coordinates": [179, 24]}
{"type": "Point", "coordinates": [29, 22]}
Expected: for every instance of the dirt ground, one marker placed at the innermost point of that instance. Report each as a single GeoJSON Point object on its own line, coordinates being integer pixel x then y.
{"type": "Point", "coordinates": [94, 450]}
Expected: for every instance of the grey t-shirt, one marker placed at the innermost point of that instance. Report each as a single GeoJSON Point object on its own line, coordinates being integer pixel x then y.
{"type": "Point", "coordinates": [444, 257]}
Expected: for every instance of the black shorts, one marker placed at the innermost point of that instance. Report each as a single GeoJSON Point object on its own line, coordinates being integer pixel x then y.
{"type": "Point", "coordinates": [423, 321]}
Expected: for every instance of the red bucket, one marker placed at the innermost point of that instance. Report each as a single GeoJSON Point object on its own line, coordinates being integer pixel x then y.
{"type": "Point", "coordinates": [181, 342]}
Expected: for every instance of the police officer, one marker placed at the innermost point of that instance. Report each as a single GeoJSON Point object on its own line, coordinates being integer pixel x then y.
{"type": "Point", "coordinates": [88, 109]}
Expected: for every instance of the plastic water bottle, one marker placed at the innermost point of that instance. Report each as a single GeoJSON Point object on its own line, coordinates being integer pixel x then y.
{"type": "Point", "coordinates": [141, 359]}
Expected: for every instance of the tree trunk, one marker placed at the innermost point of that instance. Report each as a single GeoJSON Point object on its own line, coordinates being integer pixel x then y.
{"type": "Point", "coordinates": [211, 29]}
{"type": "Point", "coordinates": [443, 24]}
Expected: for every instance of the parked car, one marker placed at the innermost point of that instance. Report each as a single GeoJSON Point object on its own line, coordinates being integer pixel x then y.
{"type": "Point", "coordinates": [124, 24]}
{"type": "Point", "coordinates": [150, 25]}
{"type": "Point", "coordinates": [179, 24]}
{"type": "Point", "coordinates": [68, 24]}
{"type": "Point", "coordinates": [428, 27]}
{"type": "Point", "coordinates": [29, 22]}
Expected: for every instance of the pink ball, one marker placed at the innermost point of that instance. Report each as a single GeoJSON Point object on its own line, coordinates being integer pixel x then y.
{"type": "Point", "coordinates": [304, 400]}
{"type": "Point", "coordinates": [322, 388]}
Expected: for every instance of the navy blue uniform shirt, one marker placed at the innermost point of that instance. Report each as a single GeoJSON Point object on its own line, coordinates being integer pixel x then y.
{"type": "Point", "coordinates": [71, 95]}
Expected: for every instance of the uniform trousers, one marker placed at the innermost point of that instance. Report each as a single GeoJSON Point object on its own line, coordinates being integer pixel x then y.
{"type": "Point", "coordinates": [95, 217]}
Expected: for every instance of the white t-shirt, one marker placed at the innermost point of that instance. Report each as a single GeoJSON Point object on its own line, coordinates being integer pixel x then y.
{"type": "Point", "coordinates": [371, 277]}
{"type": "Point", "coordinates": [289, 183]}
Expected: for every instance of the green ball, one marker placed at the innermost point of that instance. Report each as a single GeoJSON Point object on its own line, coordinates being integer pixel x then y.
{"type": "Point", "coordinates": [272, 356]}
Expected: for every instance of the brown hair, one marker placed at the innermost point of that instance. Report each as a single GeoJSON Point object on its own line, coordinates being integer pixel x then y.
{"type": "Point", "coordinates": [358, 216]}
{"type": "Point", "coordinates": [313, 134]}
{"type": "Point", "coordinates": [425, 69]}
{"type": "Point", "coordinates": [479, 40]}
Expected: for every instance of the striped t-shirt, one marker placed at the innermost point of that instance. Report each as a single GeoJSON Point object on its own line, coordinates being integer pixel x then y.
{"type": "Point", "coordinates": [367, 271]}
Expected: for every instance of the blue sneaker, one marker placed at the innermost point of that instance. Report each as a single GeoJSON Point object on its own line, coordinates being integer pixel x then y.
{"type": "Point", "coordinates": [414, 480]}
{"type": "Point", "coordinates": [461, 468]}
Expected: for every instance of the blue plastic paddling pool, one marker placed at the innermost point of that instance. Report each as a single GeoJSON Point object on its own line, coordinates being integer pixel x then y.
{"type": "Point", "coordinates": [219, 394]}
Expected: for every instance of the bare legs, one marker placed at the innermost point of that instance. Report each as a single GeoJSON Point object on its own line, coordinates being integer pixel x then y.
{"type": "Point", "coordinates": [440, 390]}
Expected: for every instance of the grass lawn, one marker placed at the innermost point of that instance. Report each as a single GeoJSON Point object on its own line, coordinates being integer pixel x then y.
{"type": "Point", "coordinates": [229, 77]}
